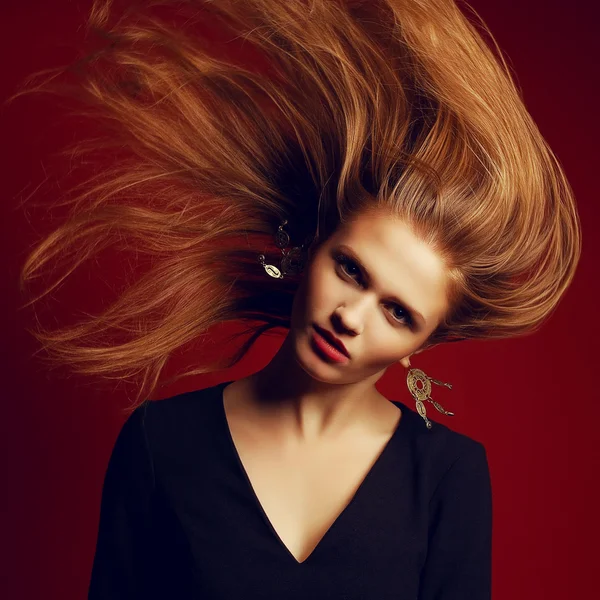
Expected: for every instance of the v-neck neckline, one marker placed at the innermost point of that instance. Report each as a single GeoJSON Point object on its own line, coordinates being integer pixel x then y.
{"type": "Point", "coordinates": [360, 490]}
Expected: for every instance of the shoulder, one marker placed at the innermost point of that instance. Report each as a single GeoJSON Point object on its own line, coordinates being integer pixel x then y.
{"type": "Point", "coordinates": [440, 438]}
{"type": "Point", "coordinates": [183, 424]}
{"type": "Point", "coordinates": [441, 454]}
{"type": "Point", "coordinates": [186, 404]}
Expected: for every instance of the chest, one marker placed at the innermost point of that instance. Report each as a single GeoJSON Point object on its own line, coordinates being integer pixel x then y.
{"type": "Point", "coordinates": [303, 491]}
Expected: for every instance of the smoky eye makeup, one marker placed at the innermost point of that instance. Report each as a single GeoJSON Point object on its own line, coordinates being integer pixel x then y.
{"type": "Point", "coordinates": [351, 268]}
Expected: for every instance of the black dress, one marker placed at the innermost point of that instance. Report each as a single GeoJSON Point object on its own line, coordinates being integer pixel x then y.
{"type": "Point", "coordinates": [180, 520]}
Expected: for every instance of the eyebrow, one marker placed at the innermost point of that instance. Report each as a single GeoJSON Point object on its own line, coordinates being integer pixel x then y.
{"type": "Point", "coordinates": [365, 273]}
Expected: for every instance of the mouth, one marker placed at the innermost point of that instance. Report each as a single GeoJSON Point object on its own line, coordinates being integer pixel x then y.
{"type": "Point", "coordinates": [331, 339]}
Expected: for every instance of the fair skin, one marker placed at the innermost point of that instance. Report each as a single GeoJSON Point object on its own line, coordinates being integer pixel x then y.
{"type": "Point", "coordinates": [308, 431]}
{"type": "Point", "coordinates": [302, 398]}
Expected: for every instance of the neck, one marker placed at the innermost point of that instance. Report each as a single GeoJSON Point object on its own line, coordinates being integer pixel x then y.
{"type": "Point", "coordinates": [309, 409]}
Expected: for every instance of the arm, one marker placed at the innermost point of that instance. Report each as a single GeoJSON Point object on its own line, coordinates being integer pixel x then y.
{"type": "Point", "coordinates": [459, 556]}
{"type": "Point", "coordinates": [121, 561]}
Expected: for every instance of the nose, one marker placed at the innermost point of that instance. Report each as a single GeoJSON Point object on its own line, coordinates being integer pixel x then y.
{"type": "Point", "coordinates": [349, 318]}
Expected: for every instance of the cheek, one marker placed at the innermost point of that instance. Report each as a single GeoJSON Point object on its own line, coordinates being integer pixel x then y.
{"type": "Point", "coordinates": [322, 286]}
{"type": "Point", "coordinates": [383, 348]}
{"type": "Point", "coordinates": [315, 296]}
{"type": "Point", "coordinates": [383, 344]}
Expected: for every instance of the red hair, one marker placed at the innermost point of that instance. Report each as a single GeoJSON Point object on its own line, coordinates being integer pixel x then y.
{"type": "Point", "coordinates": [394, 104]}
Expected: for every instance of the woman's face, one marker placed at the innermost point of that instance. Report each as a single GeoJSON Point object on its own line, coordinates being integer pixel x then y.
{"type": "Point", "coordinates": [377, 288]}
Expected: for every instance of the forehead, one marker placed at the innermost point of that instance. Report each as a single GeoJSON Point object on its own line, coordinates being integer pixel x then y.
{"type": "Point", "coordinates": [399, 263]}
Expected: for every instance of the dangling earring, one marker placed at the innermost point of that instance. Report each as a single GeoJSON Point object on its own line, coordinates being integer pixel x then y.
{"type": "Point", "coordinates": [421, 394]}
{"type": "Point", "coordinates": [293, 260]}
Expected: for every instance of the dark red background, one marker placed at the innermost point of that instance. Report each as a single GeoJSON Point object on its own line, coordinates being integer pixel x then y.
{"type": "Point", "coordinates": [531, 401]}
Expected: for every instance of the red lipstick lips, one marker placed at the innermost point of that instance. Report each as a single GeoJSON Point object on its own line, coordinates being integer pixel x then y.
{"type": "Point", "coordinates": [332, 340]}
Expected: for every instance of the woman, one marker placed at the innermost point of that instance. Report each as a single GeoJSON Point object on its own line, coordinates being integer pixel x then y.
{"type": "Point", "coordinates": [413, 202]}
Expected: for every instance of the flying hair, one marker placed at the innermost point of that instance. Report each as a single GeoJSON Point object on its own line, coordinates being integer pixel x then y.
{"type": "Point", "coordinates": [406, 106]}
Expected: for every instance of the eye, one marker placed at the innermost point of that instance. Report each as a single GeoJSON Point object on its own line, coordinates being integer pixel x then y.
{"type": "Point", "coordinates": [404, 317]}
{"type": "Point", "coordinates": [350, 269]}
{"type": "Point", "coordinates": [347, 265]}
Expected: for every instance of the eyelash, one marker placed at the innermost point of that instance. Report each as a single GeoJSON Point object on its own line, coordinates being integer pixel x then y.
{"type": "Point", "coordinates": [342, 260]}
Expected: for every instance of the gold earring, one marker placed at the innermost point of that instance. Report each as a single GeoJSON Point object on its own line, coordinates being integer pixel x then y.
{"type": "Point", "coordinates": [423, 393]}
{"type": "Point", "coordinates": [292, 261]}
